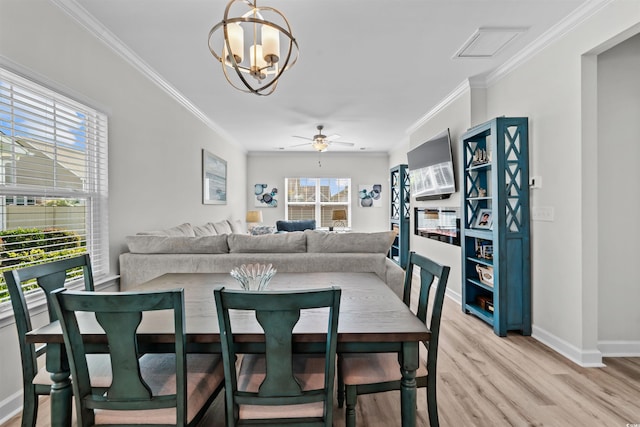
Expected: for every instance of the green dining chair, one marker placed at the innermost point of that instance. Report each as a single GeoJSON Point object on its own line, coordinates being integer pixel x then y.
{"type": "Point", "coordinates": [153, 389]}
{"type": "Point", "coordinates": [274, 386]}
{"type": "Point", "coordinates": [365, 373]}
{"type": "Point", "coordinates": [50, 276]}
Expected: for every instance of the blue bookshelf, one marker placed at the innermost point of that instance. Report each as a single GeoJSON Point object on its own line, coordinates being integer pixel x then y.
{"type": "Point", "coordinates": [399, 214]}
{"type": "Point", "coordinates": [495, 230]}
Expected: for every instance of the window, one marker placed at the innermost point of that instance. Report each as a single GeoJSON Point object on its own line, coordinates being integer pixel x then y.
{"type": "Point", "coordinates": [53, 178]}
{"type": "Point", "coordinates": [317, 198]}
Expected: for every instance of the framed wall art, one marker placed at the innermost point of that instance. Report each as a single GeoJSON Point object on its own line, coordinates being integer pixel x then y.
{"type": "Point", "coordinates": [265, 196]}
{"type": "Point", "coordinates": [214, 179]}
{"type": "Point", "coordinates": [369, 195]}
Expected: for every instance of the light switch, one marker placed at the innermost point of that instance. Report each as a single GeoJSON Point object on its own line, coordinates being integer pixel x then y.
{"type": "Point", "coordinates": [542, 214]}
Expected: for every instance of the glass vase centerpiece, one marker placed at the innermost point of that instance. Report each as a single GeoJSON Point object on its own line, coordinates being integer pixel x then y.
{"type": "Point", "coordinates": [253, 277]}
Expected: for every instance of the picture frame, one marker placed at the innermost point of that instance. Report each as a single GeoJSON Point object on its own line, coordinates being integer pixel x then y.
{"type": "Point", "coordinates": [266, 196]}
{"type": "Point", "coordinates": [484, 219]}
{"type": "Point", "coordinates": [369, 195]}
{"type": "Point", "coordinates": [214, 179]}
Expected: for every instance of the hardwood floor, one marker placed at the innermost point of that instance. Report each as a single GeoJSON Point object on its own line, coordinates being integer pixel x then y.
{"type": "Point", "coordinates": [485, 380]}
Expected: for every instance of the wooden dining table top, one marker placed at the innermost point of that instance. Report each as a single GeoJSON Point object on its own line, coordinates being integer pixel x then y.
{"type": "Point", "coordinates": [372, 318]}
{"type": "Point", "coordinates": [369, 311]}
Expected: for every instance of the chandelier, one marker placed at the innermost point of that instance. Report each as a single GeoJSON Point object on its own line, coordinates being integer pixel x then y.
{"type": "Point", "coordinates": [257, 66]}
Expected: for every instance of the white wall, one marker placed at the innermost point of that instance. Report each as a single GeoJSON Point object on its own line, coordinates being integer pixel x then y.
{"type": "Point", "coordinates": [548, 88]}
{"type": "Point", "coordinates": [362, 168]}
{"type": "Point", "coordinates": [154, 143]}
{"type": "Point", "coordinates": [618, 204]}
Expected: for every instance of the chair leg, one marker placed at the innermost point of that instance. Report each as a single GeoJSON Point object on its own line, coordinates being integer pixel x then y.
{"type": "Point", "coordinates": [432, 401]}
{"type": "Point", "coordinates": [350, 412]}
{"type": "Point", "coordinates": [340, 385]}
{"type": "Point", "coordinates": [29, 409]}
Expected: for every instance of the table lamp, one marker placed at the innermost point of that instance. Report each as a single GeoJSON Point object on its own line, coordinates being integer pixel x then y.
{"type": "Point", "coordinates": [253, 218]}
{"type": "Point", "coordinates": [339, 217]}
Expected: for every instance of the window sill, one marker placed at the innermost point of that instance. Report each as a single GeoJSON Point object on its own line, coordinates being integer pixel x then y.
{"type": "Point", "coordinates": [37, 304]}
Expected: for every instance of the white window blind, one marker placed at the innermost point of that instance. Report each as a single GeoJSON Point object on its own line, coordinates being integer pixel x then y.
{"type": "Point", "coordinates": [53, 177]}
{"type": "Point", "coordinates": [316, 198]}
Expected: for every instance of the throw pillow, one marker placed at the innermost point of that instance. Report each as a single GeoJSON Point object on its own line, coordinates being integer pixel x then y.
{"type": "Point", "coordinates": [181, 230]}
{"type": "Point", "coordinates": [296, 225]}
{"type": "Point", "coordinates": [204, 230]}
{"type": "Point", "coordinates": [222, 227]}
{"type": "Point", "coordinates": [237, 226]}
{"type": "Point", "coordinates": [141, 244]}
{"type": "Point", "coordinates": [259, 230]}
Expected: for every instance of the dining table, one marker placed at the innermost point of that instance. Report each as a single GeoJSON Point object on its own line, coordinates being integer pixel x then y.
{"type": "Point", "coordinates": [372, 318]}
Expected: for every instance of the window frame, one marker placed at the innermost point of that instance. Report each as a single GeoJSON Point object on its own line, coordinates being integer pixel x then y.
{"type": "Point", "coordinates": [29, 109]}
{"type": "Point", "coordinates": [317, 202]}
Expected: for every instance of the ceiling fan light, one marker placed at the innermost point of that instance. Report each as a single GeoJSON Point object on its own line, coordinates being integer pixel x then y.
{"type": "Point", "coordinates": [320, 145]}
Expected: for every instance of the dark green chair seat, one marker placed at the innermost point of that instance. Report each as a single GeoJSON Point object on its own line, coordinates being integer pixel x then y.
{"type": "Point", "coordinates": [49, 277]}
{"type": "Point", "coordinates": [380, 372]}
{"type": "Point", "coordinates": [277, 387]}
{"type": "Point", "coordinates": [154, 389]}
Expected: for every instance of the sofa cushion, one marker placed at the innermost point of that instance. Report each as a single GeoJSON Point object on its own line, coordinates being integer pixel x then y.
{"type": "Point", "coordinates": [204, 230]}
{"type": "Point", "coordinates": [147, 244]}
{"type": "Point", "coordinates": [237, 226]}
{"type": "Point", "coordinates": [272, 243]}
{"type": "Point", "coordinates": [320, 241]}
{"type": "Point", "coordinates": [296, 225]}
{"type": "Point", "coordinates": [181, 230]}
{"type": "Point", "coordinates": [222, 227]}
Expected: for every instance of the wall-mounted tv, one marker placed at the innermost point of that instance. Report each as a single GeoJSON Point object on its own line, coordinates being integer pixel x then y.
{"type": "Point", "coordinates": [431, 169]}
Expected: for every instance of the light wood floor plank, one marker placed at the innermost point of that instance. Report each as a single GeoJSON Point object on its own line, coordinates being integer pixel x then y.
{"type": "Point", "coordinates": [485, 380]}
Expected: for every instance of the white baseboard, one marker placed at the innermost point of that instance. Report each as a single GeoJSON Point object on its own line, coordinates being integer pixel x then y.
{"type": "Point", "coordinates": [10, 407]}
{"type": "Point", "coordinates": [454, 296]}
{"type": "Point", "coordinates": [619, 348]}
{"type": "Point", "coordinates": [582, 357]}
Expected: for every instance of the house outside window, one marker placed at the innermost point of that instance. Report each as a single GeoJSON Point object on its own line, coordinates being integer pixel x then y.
{"type": "Point", "coordinates": [53, 178]}
{"type": "Point", "coordinates": [317, 198]}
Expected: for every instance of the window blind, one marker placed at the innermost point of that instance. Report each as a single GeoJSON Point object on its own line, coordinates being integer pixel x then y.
{"type": "Point", "coordinates": [53, 177]}
{"type": "Point", "coordinates": [316, 198]}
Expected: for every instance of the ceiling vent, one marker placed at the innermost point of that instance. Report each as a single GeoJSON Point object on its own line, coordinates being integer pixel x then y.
{"type": "Point", "coordinates": [487, 42]}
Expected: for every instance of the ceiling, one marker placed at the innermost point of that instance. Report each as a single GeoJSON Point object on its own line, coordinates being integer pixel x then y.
{"type": "Point", "coordinates": [368, 70]}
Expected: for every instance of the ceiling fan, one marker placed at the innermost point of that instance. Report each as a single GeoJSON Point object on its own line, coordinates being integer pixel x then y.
{"type": "Point", "coordinates": [321, 142]}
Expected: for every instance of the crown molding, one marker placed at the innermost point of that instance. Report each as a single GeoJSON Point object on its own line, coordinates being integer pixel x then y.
{"type": "Point", "coordinates": [455, 94]}
{"type": "Point", "coordinates": [578, 16]}
{"type": "Point", "coordinates": [42, 80]}
{"type": "Point", "coordinates": [575, 18]}
{"type": "Point", "coordinates": [93, 26]}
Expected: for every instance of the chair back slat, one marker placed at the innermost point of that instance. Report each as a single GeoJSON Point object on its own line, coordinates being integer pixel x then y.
{"type": "Point", "coordinates": [127, 380]}
{"type": "Point", "coordinates": [278, 329]}
{"type": "Point", "coordinates": [432, 275]}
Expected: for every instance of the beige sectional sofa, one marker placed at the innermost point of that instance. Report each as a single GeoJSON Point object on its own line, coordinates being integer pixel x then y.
{"type": "Point", "coordinates": [211, 249]}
